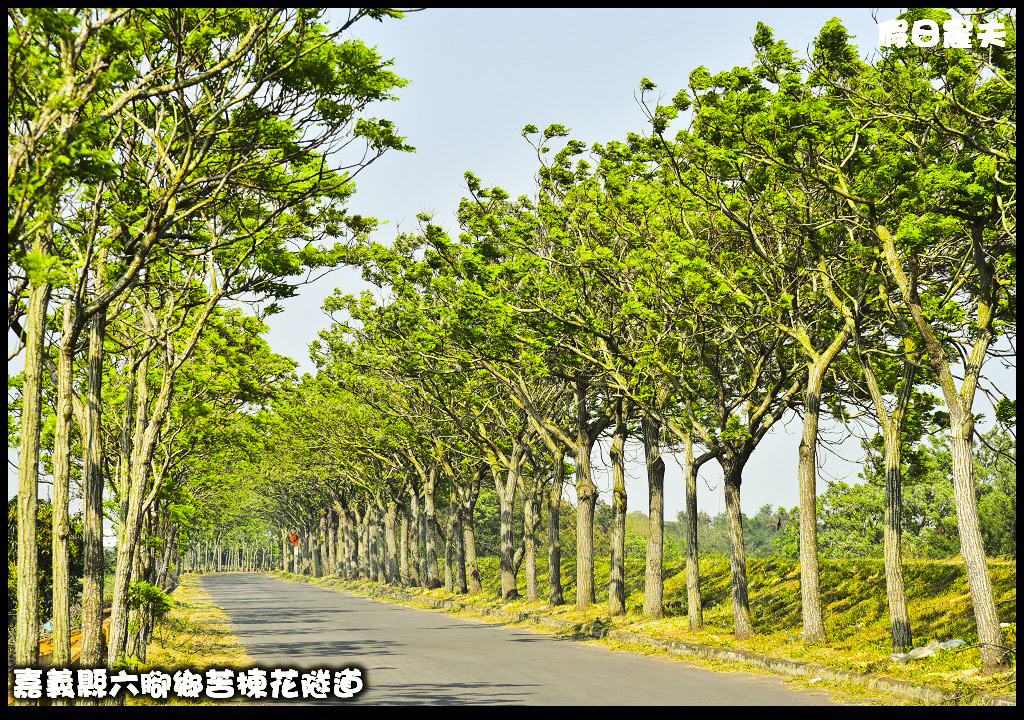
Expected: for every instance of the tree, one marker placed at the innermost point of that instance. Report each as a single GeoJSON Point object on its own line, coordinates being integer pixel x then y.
{"type": "Point", "coordinates": [936, 199]}
{"type": "Point", "coordinates": [198, 190]}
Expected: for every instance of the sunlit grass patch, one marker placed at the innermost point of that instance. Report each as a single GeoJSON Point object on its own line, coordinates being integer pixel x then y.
{"type": "Point", "coordinates": [197, 635]}
{"type": "Point", "coordinates": [855, 608]}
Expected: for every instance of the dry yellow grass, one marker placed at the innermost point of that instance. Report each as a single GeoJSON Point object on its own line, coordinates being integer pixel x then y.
{"type": "Point", "coordinates": [196, 635]}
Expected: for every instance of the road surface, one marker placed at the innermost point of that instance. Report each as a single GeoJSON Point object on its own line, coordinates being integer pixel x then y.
{"type": "Point", "coordinates": [412, 657]}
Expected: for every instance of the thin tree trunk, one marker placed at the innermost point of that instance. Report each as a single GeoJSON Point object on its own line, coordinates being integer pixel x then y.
{"type": "Point", "coordinates": [467, 508]}
{"type": "Point", "coordinates": [892, 429]}
{"type": "Point", "coordinates": [337, 554]}
{"type": "Point", "coordinates": [810, 588]}
{"type": "Point", "coordinates": [654, 576]}
{"type": "Point", "coordinates": [555, 596]}
{"type": "Point", "coordinates": [393, 573]}
{"type": "Point", "coordinates": [285, 550]}
{"type": "Point", "coordinates": [316, 547]}
{"type": "Point", "coordinates": [617, 564]}
{"type": "Point", "coordinates": [429, 520]}
{"type": "Point", "coordinates": [325, 545]}
{"type": "Point", "coordinates": [403, 548]}
{"type": "Point", "coordinates": [459, 540]}
{"type": "Point", "coordinates": [366, 544]}
{"type": "Point", "coordinates": [733, 467]}
{"type": "Point", "coordinates": [92, 503]}
{"type": "Point", "coordinates": [27, 623]}
{"type": "Point", "coordinates": [61, 480]}
{"type": "Point", "coordinates": [694, 604]}
{"type": "Point", "coordinates": [530, 545]}
{"type": "Point", "coordinates": [449, 553]}
{"type": "Point", "coordinates": [586, 501]}
{"type": "Point", "coordinates": [420, 543]}
{"type": "Point", "coordinates": [895, 589]}
{"type": "Point", "coordinates": [379, 547]}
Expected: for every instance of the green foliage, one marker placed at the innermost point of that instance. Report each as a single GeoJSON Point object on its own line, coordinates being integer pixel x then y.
{"type": "Point", "coordinates": [850, 517]}
{"type": "Point", "coordinates": [44, 540]}
{"type": "Point", "coordinates": [143, 594]}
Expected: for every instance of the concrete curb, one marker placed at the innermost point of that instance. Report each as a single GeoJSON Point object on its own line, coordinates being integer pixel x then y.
{"type": "Point", "coordinates": [900, 688]}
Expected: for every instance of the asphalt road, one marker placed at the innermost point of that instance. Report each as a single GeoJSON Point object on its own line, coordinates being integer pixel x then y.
{"type": "Point", "coordinates": [413, 657]}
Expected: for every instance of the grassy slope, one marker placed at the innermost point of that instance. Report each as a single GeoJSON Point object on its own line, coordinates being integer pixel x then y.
{"type": "Point", "coordinates": [196, 634]}
{"type": "Point", "coordinates": [855, 614]}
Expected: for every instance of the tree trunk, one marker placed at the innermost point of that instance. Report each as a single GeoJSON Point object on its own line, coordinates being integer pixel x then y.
{"type": "Point", "coordinates": [325, 545]}
{"type": "Point", "coordinates": [337, 553]}
{"type": "Point", "coordinates": [133, 637]}
{"type": "Point", "coordinates": [694, 604]}
{"type": "Point", "coordinates": [586, 501]}
{"type": "Point", "coordinates": [810, 589]}
{"type": "Point", "coordinates": [468, 507]}
{"type": "Point", "coordinates": [459, 540]}
{"type": "Point", "coordinates": [892, 432]}
{"type": "Point", "coordinates": [393, 575]}
{"type": "Point", "coordinates": [61, 481]}
{"type": "Point", "coordinates": [530, 545]}
{"type": "Point", "coordinates": [617, 563]}
{"type": "Point", "coordinates": [555, 596]}
{"type": "Point", "coordinates": [379, 547]}
{"type": "Point", "coordinates": [403, 549]}
{"type": "Point", "coordinates": [506, 500]}
{"type": "Point", "coordinates": [92, 503]}
{"type": "Point", "coordinates": [419, 540]}
{"type": "Point", "coordinates": [733, 464]}
{"type": "Point", "coordinates": [429, 520]}
{"type": "Point", "coordinates": [654, 579]}
{"type": "Point", "coordinates": [993, 653]}
{"type": "Point", "coordinates": [285, 550]}
{"type": "Point", "coordinates": [899, 616]}
{"type": "Point", "coordinates": [315, 550]}
{"type": "Point", "coordinates": [449, 553]}
{"type": "Point", "coordinates": [27, 624]}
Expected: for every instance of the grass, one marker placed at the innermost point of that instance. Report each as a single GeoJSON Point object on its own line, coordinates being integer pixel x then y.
{"type": "Point", "coordinates": [854, 600]}
{"type": "Point", "coordinates": [196, 635]}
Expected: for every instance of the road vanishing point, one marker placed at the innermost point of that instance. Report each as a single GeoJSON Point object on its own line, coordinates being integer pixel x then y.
{"type": "Point", "coordinates": [424, 657]}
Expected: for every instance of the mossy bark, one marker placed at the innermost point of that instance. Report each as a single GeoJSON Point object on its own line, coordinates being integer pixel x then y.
{"type": "Point", "coordinates": [555, 595]}
{"type": "Point", "coordinates": [61, 482]}
{"type": "Point", "coordinates": [732, 464]}
{"type": "Point", "coordinates": [810, 587]}
{"type": "Point", "coordinates": [654, 577]}
{"type": "Point", "coordinates": [694, 603]}
{"type": "Point", "coordinates": [93, 654]}
{"type": "Point", "coordinates": [467, 508]}
{"type": "Point", "coordinates": [617, 564]}
{"type": "Point", "coordinates": [27, 621]}
{"type": "Point", "coordinates": [586, 502]}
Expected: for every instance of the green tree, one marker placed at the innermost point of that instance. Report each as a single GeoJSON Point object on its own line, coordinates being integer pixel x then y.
{"type": "Point", "coordinates": [262, 73]}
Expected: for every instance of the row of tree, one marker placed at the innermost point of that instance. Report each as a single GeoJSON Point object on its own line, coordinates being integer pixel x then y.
{"type": "Point", "coordinates": [165, 167]}
{"type": "Point", "coordinates": [826, 235]}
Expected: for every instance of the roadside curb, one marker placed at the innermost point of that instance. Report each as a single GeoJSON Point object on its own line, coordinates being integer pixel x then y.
{"type": "Point", "coordinates": [900, 688]}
